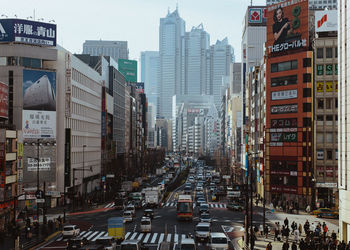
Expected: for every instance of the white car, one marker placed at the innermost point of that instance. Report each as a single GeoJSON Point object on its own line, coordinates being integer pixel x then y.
{"type": "Point", "coordinates": [108, 242]}
{"type": "Point", "coordinates": [146, 225]}
{"type": "Point", "coordinates": [128, 216]}
{"type": "Point", "coordinates": [70, 231]}
{"type": "Point", "coordinates": [131, 208]}
{"type": "Point", "coordinates": [202, 231]}
{"type": "Point", "coordinates": [218, 241]}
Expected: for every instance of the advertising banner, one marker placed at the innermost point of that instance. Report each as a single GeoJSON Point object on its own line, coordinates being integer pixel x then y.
{"type": "Point", "coordinates": [284, 123]}
{"type": "Point", "coordinates": [284, 94]}
{"type": "Point", "coordinates": [256, 15]}
{"type": "Point", "coordinates": [27, 31]}
{"type": "Point", "coordinates": [287, 27]}
{"type": "Point", "coordinates": [39, 104]}
{"type": "Point", "coordinates": [283, 109]}
{"type": "Point", "coordinates": [326, 20]}
{"type": "Point", "coordinates": [320, 87]}
{"type": "Point", "coordinates": [44, 164]}
{"type": "Point", "coordinates": [4, 100]}
{"type": "Point", "coordinates": [139, 86]}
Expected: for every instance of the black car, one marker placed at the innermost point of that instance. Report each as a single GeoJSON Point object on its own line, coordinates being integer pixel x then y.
{"type": "Point", "coordinates": [76, 243]}
{"type": "Point", "coordinates": [93, 247]}
{"type": "Point", "coordinates": [148, 213]}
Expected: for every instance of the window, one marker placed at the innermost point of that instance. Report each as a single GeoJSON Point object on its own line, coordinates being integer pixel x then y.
{"type": "Point", "coordinates": [319, 138]}
{"type": "Point", "coordinates": [319, 69]}
{"type": "Point", "coordinates": [329, 137]}
{"type": "Point", "coordinates": [306, 77]}
{"type": "Point", "coordinates": [320, 118]}
{"type": "Point", "coordinates": [329, 118]}
{"type": "Point", "coordinates": [336, 117]}
{"type": "Point", "coordinates": [306, 122]}
{"type": "Point", "coordinates": [336, 52]}
{"type": "Point", "coordinates": [306, 107]}
{"type": "Point", "coordinates": [283, 66]}
{"type": "Point", "coordinates": [329, 52]}
{"type": "Point", "coordinates": [284, 80]}
{"type": "Point", "coordinates": [319, 52]}
{"type": "Point", "coordinates": [329, 155]}
{"type": "Point", "coordinates": [320, 103]}
{"type": "Point", "coordinates": [306, 62]}
{"type": "Point", "coordinates": [307, 92]}
{"type": "Point", "coordinates": [329, 103]}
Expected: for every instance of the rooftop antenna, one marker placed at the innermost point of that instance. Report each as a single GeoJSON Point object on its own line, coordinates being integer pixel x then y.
{"type": "Point", "coordinates": [34, 14]}
{"type": "Point", "coordinates": [251, 2]}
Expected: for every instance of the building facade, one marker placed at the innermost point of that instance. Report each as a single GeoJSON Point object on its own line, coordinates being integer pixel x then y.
{"type": "Point", "coordinates": [115, 49]}
{"type": "Point", "coordinates": [313, 4]}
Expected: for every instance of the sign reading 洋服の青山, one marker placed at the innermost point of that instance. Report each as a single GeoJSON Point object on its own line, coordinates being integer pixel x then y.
{"type": "Point", "coordinates": [27, 31]}
{"type": "Point", "coordinates": [39, 104]}
{"type": "Point", "coordinates": [44, 164]}
{"type": "Point", "coordinates": [287, 27]}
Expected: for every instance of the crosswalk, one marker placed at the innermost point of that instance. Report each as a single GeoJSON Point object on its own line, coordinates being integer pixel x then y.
{"type": "Point", "coordinates": [211, 205]}
{"type": "Point", "coordinates": [145, 238]}
{"type": "Point", "coordinates": [111, 205]}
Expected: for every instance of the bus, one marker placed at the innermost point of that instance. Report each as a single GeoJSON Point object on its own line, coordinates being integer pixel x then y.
{"type": "Point", "coordinates": [184, 207]}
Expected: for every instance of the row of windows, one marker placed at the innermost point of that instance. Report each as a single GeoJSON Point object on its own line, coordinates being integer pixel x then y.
{"type": "Point", "coordinates": [327, 137]}
{"type": "Point", "coordinates": [328, 171]}
{"type": "Point", "coordinates": [89, 158]}
{"type": "Point", "coordinates": [289, 65]}
{"type": "Point", "coordinates": [328, 52]}
{"type": "Point", "coordinates": [83, 126]}
{"type": "Point", "coordinates": [328, 118]}
{"type": "Point", "coordinates": [86, 81]}
{"type": "Point", "coordinates": [327, 69]}
{"type": "Point", "coordinates": [327, 103]}
{"type": "Point", "coordinates": [85, 96]}
{"type": "Point", "coordinates": [327, 154]}
{"type": "Point", "coordinates": [84, 111]}
{"type": "Point", "coordinates": [20, 61]}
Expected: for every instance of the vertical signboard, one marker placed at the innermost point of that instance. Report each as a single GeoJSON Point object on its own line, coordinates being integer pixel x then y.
{"type": "Point", "coordinates": [39, 104]}
{"type": "Point", "coordinates": [2, 163]}
{"type": "Point", "coordinates": [4, 100]}
{"type": "Point", "coordinates": [287, 27]}
{"type": "Point", "coordinates": [67, 156]}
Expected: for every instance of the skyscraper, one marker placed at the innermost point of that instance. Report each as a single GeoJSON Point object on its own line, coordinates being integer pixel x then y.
{"type": "Point", "coordinates": [149, 75]}
{"type": "Point", "coordinates": [115, 49]}
{"type": "Point", "coordinates": [196, 74]}
{"type": "Point", "coordinates": [221, 56]}
{"type": "Point", "coordinates": [171, 51]}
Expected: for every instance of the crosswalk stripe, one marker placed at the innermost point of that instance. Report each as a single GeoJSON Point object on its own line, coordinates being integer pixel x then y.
{"type": "Point", "coordinates": [216, 205]}
{"type": "Point", "coordinates": [82, 233]}
{"type": "Point", "coordinates": [92, 235]}
{"type": "Point", "coordinates": [176, 238]}
{"type": "Point", "coordinates": [154, 238]}
{"type": "Point", "coordinates": [106, 234]}
{"type": "Point", "coordinates": [98, 236]}
{"type": "Point", "coordinates": [221, 205]}
{"type": "Point", "coordinates": [171, 204]}
{"type": "Point", "coordinates": [183, 236]}
{"type": "Point", "coordinates": [133, 236]}
{"type": "Point", "coordinates": [167, 204]}
{"type": "Point", "coordinates": [59, 239]}
{"type": "Point", "coordinates": [140, 236]}
{"type": "Point", "coordinates": [161, 238]}
{"type": "Point", "coordinates": [87, 234]}
{"type": "Point", "coordinates": [145, 240]}
{"type": "Point", "coordinates": [168, 239]}
{"type": "Point", "coordinates": [224, 205]}
{"type": "Point", "coordinates": [127, 235]}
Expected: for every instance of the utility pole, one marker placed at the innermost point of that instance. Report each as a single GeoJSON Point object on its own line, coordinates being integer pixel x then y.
{"type": "Point", "coordinates": [37, 179]}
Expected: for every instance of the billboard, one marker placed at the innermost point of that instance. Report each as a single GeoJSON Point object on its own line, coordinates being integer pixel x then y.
{"type": "Point", "coordinates": [256, 15]}
{"type": "Point", "coordinates": [284, 109]}
{"type": "Point", "coordinates": [4, 100]}
{"type": "Point", "coordinates": [129, 69]}
{"type": "Point", "coordinates": [26, 31]}
{"type": "Point", "coordinates": [287, 27]}
{"type": "Point", "coordinates": [39, 104]}
{"type": "Point", "coordinates": [284, 94]}
{"type": "Point", "coordinates": [326, 20]}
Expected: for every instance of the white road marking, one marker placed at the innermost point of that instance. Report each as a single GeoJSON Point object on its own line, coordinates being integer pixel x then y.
{"type": "Point", "coordinates": [140, 236]}
{"type": "Point", "coordinates": [146, 238]}
{"type": "Point", "coordinates": [168, 239]}
{"type": "Point", "coordinates": [133, 236]}
{"type": "Point", "coordinates": [98, 236]}
{"type": "Point", "coordinates": [82, 233]}
{"type": "Point", "coordinates": [154, 238]}
{"type": "Point", "coordinates": [92, 235]}
{"type": "Point", "coordinates": [127, 235]}
{"type": "Point", "coordinates": [161, 238]}
{"type": "Point", "coordinates": [176, 238]}
{"type": "Point", "coordinates": [87, 234]}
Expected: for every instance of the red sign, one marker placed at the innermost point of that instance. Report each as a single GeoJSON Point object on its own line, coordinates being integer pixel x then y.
{"type": "Point", "coordinates": [284, 189]}
{"type": "Point", "coordinates": [4, 100]}
{"type": "Point", "coordinates": [321, 21]}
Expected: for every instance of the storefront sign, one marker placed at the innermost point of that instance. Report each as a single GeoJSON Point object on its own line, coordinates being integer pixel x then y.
{"type": "Point", "coordinates": [326, 185]}
{"type": "Point", "coordinates": [283, 109]}
{"type": "Point", "coordinates": [284, 94]}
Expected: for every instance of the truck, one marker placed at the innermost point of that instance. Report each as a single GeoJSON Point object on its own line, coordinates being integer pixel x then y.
{"type": "Point", "coordinates": [116, 228]}
{"type": "Point", "coordinates": [151, 198]}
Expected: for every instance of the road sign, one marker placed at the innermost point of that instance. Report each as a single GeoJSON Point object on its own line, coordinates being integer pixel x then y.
{"type": "Point", "coordinates": [110, 175]}
{"type": "Point", "coordinates": [39, 194]}
{"type": "Point", "coordinates": [40, 200]}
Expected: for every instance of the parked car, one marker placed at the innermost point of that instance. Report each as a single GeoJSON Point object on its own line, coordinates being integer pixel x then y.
{"type": "Point", "coordinates": [148, 213]}
{"type": "Point", "coordinates": [108, 242]}
{"type": "Point", "coordinates": [76, 243]}
{"type": "Point", "coordinates": [70, 231]}
{"type": "Point", "coordinates": [146, 225]}
{"type": "Point", "coordinates": [128, 216]}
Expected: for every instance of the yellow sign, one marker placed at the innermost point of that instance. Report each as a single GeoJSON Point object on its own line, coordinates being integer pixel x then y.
{"type": "Point", "coordinates": [320, 87]}
{"type": "Point", "coordinates": [329, 86]}
{"type": "Point", "coordinates": [19, 149]}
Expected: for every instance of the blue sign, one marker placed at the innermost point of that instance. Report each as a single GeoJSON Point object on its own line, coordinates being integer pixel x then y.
{"type": "Point", "coordinates": [26, 31]}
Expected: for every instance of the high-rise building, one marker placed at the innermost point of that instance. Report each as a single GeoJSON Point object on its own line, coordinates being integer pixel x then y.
{"type": "Point", "coordinates": [313, 4]}
{"type": "Point", "coordinates": [197, 43]}
{"type": "Point", "coordinates": [344, 124]}
{"type": "Point", "coordinates": [171, 51]}
{"type": "Point", "coordinates": [115, 49]}
{"type": "Point", "coordinates": [221, 57]}
{"type": "Point", "coordinates": [149, 75]}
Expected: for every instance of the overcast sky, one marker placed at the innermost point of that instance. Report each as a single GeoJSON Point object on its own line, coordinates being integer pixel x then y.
{"type": "Point", "coordinates": [136, 21]}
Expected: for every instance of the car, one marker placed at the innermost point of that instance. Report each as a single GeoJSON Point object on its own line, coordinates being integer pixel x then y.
{"type": "Point", "coordinates": [131, 208]}
{"type": "Point", "coordinates": [185, 244]}
{"type": "Point", "coordinates": [199, 188]}
{"type": "Point", "coordinates": [93, 247]}
{"type": "Point", "coordinates": [328, 215]}
{"type": "Point", "coordinates": [148, 213]}
{"type": "Point", "coordinates": [70, 231]}
{"type": "Point", "coordinates": [218, 241]}
{"type": "Point", "coordinates": [146, 225]}
{"type": "Point", "coordinates": [128, 217]}
{"type": "Point", "coordinates": [204, 208]}
{"type": "Point", "coordinates": [76, 243]}
{"type": "Point", "coordinates": [205, 217]}
{"type": "Point", "coordinates": [202, 231]}
{"type": "Point", "coordinates": [108, 242]}
{"type": "Point", "coordinates": [234, 206]}
{"type": "Point", "coordinates": [133, 244]}
{"type": "Point", "coordinates": [324, 210]}
{"type": "Point", "coordinates": [200, 200]}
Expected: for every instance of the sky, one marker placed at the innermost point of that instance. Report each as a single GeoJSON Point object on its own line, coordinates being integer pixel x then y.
{"type": "Point", "coordinates": [135, 21]}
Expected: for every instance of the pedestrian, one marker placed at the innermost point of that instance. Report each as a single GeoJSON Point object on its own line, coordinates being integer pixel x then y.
{"type": "Point", "coordinates": [325, 230]}
{"type": "Point", "coordinates": [294, 246]}
{"type": "Point", "coordinates": [266, 231]}
{"type": "Point", "coordinates": [276, 232]}
{"type": "Point", "coordinates": [296, 235]}
{"type": "Point", "coordinates": [269, 246]}
{"type": "Point", "coordinates": [297, 207]}
{"type": "Point", "coordinates": [334, 235]}
{"type": "Point", "coordinates": [286, 222]}
{"type": "Point", "coordinates": [312, 227]}
{"type": "Point", "coordinates": [300, 229]}
{"type": "Point", "coordinates": [285, 245]}
{"type": "Point", "coordinates": [302, 244]}
{"type": "Point", "coordinates": [261, 229]}
{"type": "Point", "coordinates": [308, 209]}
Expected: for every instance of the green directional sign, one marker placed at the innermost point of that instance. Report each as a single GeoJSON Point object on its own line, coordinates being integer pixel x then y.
{"type": "Point", "coordinates": [129, 69]}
